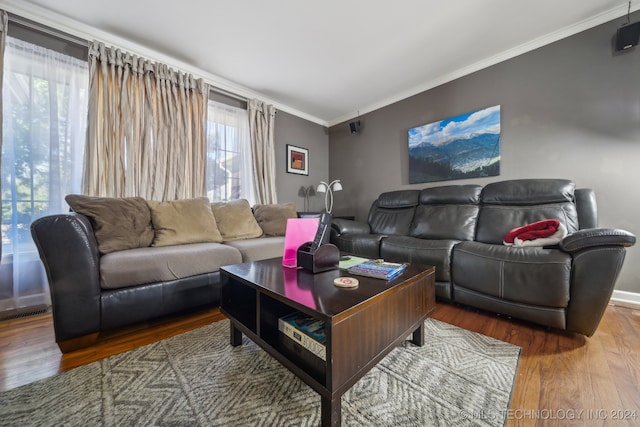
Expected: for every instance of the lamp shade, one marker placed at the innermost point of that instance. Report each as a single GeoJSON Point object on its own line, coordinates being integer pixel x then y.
{"type": "Point", "coordinates": [322, 188]}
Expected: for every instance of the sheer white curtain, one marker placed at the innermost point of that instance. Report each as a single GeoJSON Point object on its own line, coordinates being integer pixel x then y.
{"type": "Point", "coordinates": [229, 161]}
{"type": "Point", "coordinates": [44, 132]}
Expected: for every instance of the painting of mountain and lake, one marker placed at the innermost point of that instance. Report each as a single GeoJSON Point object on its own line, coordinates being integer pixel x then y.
{"type": "Point", "coordinates": [466, 146]}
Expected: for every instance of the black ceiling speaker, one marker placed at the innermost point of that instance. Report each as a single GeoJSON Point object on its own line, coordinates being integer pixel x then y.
{"type": "Point", "coordinates": [355, 126]}
{"type": "Point", "coordinates": [627, 36]}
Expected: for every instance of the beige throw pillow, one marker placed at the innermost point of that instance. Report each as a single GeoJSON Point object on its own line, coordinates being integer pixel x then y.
{"type": "Point", "coordinates": [118, 223]}
{"type": "Point", "coordinates": [273, 218]}
{"type": "Point", "coordinates": [235, 220]}
{"type": "Point", "coordinates": [183, 221]}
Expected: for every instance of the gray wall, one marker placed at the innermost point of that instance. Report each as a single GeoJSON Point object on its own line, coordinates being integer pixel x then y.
{"type": "Point", "coordinates": [290, 129]}
{"type": "Point", "coordinates": [570, 109]}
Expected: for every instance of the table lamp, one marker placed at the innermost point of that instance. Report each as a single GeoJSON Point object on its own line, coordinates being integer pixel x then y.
{"type": "Point", "coordinates": [323, 187]}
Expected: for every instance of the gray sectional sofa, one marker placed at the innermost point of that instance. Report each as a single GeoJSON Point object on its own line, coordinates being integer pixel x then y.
{"type": "Point", "coordinates": [116, 262]}
{"type": "Point", "coordinates": [461, 230]}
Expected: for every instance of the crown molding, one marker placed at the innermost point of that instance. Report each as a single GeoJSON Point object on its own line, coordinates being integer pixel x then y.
{"type": "Point", "coordinates": [86, 32]}
{"type": "Point", "coordinates": [594, 21]}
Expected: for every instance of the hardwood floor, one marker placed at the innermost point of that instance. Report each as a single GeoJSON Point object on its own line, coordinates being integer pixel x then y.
{"type": "Point", "coordinates": [563, 379]}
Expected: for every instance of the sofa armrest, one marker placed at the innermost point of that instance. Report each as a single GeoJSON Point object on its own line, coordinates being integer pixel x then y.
{"type": "Point", "coordinates": [348, 226]}
{"type": "Point", "coordinates": [598, 255]}
{"type": "Point", "coordinates": [594, 237]}
{"type": "Point", "coordinates": [69, 252]}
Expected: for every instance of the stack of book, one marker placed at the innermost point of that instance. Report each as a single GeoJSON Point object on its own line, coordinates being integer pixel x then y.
{"type": "Point", "coordinates": [306, 331]}
{"type": "Point", "coordinates": [378, 269]}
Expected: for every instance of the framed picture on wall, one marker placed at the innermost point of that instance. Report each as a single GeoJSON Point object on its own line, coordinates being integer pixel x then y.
{"type": "Point", "coordinates": [297, 160]}
{"type": "Point", "coordinates": [461, 147]}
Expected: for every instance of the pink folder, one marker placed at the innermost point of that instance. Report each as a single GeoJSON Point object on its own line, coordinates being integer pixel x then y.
{"type": "Point", "coordinates": [293, 291]}
{"type": "Point", "coordinates": [298, 231]}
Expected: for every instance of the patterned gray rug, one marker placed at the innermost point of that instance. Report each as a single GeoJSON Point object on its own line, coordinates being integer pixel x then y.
{"type": "Point", "coordinates": [197, 379]}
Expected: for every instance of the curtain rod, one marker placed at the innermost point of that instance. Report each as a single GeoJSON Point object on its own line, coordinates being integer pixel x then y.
{"type": "Point", "coordinates": [47, 30]}
{"type": "Point", "coordinates": [228, 94]}
{"type": "Point", "coordinates": [36, 26]}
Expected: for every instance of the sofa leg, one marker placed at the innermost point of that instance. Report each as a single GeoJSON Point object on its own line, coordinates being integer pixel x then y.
{"type": "Point", "coordinates": [78, 343]}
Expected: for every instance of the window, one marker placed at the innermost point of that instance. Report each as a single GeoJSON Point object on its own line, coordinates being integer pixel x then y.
{"type": "Point", "coordinates": [229, 169]}
{"type": "Point", "coordinates": [44, 132]}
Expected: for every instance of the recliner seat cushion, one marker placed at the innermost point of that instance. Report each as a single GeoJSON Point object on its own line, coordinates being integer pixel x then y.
{"type": "Point", "coordinates": [537, 276]}
{"type": "Point", "coordinates": [163, 263]}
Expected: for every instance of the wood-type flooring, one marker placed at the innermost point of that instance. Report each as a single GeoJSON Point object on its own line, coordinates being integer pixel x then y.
{"type": "Point", "coordinates": [563, 379]}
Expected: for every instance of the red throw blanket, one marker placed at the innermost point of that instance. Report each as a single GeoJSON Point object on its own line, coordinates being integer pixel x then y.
{"type": "Point", "coordinates": [535, 230]}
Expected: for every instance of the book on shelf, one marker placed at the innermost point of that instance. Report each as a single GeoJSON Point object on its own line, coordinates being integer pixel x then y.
{"type": "Point", "coordinates": [306, 331]}
{"type": "Point", "coordinates": [378, 269]}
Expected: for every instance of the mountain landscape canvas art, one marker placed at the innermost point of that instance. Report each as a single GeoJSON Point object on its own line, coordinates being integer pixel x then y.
{"type": "Point", "coordinates": [465, 146]}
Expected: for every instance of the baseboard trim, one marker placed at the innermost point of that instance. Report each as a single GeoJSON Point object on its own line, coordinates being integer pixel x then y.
{"type": "Point", "coordinates": [626, 299]}
{"type": "Point", "coordinates": [18, 313]}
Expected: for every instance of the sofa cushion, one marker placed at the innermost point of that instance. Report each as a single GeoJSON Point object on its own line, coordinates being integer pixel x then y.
{"type": "Point", "coordinates": [118, 223]}
{"type": "Point", "coordinates": [272, 219]}
{"type": "Point", "coordinates": [259, 248]}
{"type": "Point", "coordinates": [510, 204]}
{"type": "Point", "coordinates": [468, 194]}
{"type": "Point", "coordinates": [392, 212]}
{"type": "Point", "coordinates": [447, 212]}
{"type": "Point", "coordinates": [494, 222]}
{"type": "Point", "coordinates": [183, 221]}
{"type": "Point", "coordinates": [398, 199]}
{"type": "Point", "coordinates": [522, 192]}
{"type": "Point", "coordinates": [456, 222]}
{"type": "Point", "coordinates": [235, 220]}
{"type": "Point", "coordinates": [159, 264]}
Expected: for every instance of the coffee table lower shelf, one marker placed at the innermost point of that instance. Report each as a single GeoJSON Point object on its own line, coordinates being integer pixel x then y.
{"type": "Point", "coordinates": [358, 336]}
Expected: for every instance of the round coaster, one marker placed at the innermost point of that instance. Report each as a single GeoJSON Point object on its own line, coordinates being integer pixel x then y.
{"type": "Point", "coordinates": [345, 282]}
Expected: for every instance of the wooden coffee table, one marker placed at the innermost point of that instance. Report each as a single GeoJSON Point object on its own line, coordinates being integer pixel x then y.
{"type": "Point", "coordinates": [362, 325]}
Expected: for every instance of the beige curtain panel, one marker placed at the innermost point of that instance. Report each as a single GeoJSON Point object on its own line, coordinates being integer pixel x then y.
{"type": "Point", "coordinates": [146, 132]}
{"type": "Point", "coordinates": [261, 128]}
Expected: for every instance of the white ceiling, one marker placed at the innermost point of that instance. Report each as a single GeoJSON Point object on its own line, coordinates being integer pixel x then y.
{"type": "Point", "coordinates": [325, 60]}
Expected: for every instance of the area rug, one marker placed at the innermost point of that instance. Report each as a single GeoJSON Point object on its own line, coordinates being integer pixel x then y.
{"type": "Point", "coordinates": [457, 378]}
